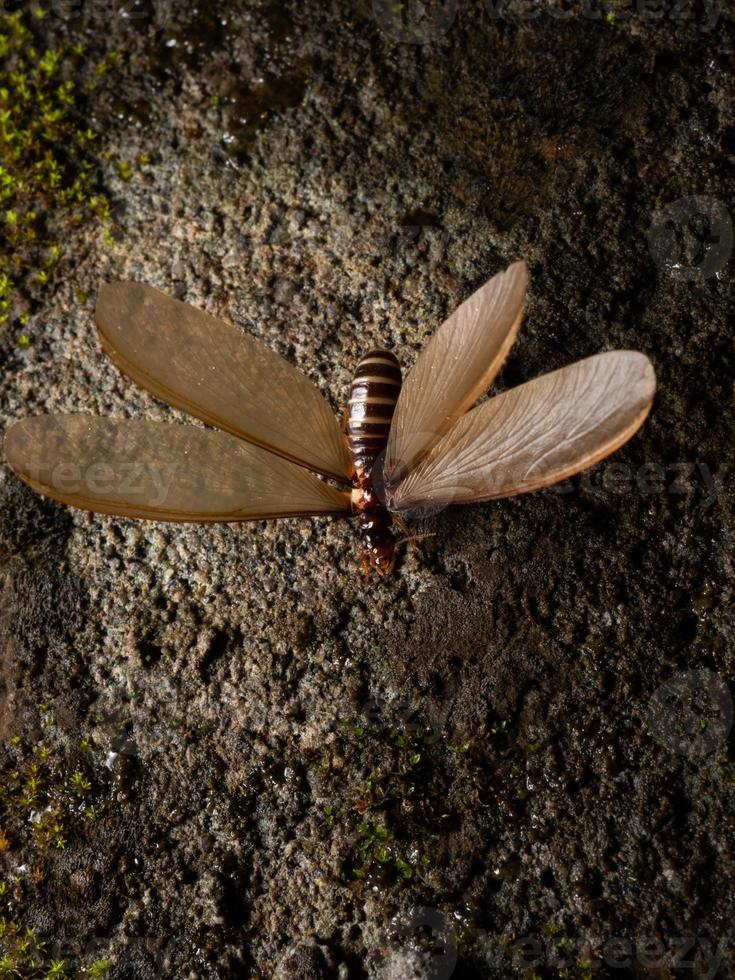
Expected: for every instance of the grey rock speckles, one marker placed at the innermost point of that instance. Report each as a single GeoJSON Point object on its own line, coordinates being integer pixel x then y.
{"type": "Point", "coordinates": [290, 763]}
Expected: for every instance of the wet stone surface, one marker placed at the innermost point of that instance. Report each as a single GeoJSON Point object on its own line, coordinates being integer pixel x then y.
{"type": "Point", "coordinates": [227, 754]}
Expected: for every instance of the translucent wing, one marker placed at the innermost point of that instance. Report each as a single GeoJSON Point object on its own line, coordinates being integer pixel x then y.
{"type": "Point", "coordinates": [162, 472]}
{"type": "Point", "coordinates": [536, 434]}
{"type": "Point", "coordinates": [455, 369]}
{"type": "Point", "coordinates": [198, 363]}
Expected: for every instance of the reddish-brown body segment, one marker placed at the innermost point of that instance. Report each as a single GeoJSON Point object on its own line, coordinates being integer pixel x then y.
{"type": "Point", "coordinates": [373, 396]}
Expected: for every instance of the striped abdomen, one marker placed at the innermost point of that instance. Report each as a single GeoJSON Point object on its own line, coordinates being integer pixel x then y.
{"type": "Point", "coordinates": [373, 398]}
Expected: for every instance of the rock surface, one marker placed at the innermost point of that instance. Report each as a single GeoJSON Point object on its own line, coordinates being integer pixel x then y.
{"type": "Point", "coordinates": [517, 753]}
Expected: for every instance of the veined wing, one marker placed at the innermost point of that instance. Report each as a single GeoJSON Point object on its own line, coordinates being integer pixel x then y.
{"type": "Point", "coordinates": [198, 363]}
{"type": "Point", "coordinates": [455, 368]}
{"type": "Point", "coordinates": [162, 472]}
{"type": "Point", "coordinates": [536, 434]}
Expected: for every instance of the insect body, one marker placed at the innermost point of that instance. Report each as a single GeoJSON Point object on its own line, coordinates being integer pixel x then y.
{"type": "Point", "coordinates": [409, 447]}
{"type": "Point", "coordinates": [373, 398]}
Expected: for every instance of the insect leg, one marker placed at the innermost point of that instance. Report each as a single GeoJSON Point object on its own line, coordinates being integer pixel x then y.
{"type": "Point", "coordinates": [409, 536]}
{"type": "Point", "coordinates": [365, 567]}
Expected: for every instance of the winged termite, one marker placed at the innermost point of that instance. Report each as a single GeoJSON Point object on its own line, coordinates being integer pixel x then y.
{"type": "Point", "coordinates": [405, 448]}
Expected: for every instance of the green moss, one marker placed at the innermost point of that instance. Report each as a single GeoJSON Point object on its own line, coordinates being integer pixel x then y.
{"type": "Point", "coordinates": [99, 969]}
{"type": "Point", "coordinates": [381, 814]}
{"type": "Point", "coordinates": [46, 802]}
{"type": "Point", "coordinates": [48, 168]}
{"type": "Point", "coordinates": [42, 802]}
{"type": "Point", "coordinates": [404, 868]}
{"type": "Point", "coordinates": [24, 955]}
{"type": "Point", "coordinates": [109, 62]}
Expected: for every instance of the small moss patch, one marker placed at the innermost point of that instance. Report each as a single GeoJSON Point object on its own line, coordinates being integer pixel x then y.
{"type": "Point", "coordinates": [47, 802]}
{"type": "Point", "coordinates": [388, 810]}
{"type": "Point", "coordinates": [49, 174]}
